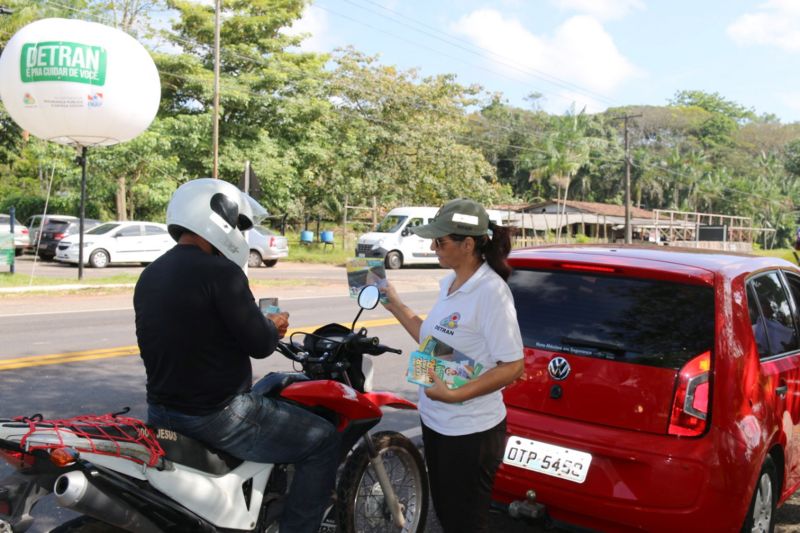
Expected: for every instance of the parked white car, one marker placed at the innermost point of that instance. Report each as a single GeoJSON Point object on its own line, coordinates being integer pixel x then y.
{"type": "Point", "coordinates": [117, 242]}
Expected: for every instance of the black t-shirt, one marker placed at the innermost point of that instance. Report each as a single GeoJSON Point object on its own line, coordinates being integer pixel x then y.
{"type": "Point", "coordinates": [197, 325]}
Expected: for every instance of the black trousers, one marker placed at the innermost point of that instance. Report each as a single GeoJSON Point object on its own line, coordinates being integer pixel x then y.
{"type": "Point", "coordinates": [461, 471]}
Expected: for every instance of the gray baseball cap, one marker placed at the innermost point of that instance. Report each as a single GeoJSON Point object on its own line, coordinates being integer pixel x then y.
{"type": "Point", "coordinates": [456, 217]}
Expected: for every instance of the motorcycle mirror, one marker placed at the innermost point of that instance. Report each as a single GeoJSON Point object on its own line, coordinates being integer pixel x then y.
{"type": "Point", "coordinates": [368, 297]}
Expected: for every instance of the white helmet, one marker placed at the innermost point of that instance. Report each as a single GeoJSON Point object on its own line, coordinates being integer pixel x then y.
{"type": "Point", "coordinates": [216, 211]}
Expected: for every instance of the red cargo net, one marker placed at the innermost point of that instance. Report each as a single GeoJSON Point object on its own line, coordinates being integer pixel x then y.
{"type": "Point", "coordinates": [96, 430]}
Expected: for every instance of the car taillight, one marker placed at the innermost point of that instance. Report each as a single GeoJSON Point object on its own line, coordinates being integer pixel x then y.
{"type": "Point", "coordinates": [272, 242]}
{"type": "Point", "coordinates": [690, 405]}
{"type": "Point", "coordinates": [24, 231]}
{"type": "Point", "coordinates": [58, 236]}
{"type": "Point", "coordinates": [16, 459]}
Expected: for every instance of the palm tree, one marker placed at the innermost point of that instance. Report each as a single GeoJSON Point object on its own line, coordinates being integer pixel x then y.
{"type": "Point", "coordinates": [647, 178]}
{"type": "Point", "coordinates": [562, 154]}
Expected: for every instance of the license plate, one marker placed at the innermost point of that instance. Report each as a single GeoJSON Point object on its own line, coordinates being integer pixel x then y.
{"type": "Point", "coordinates": [544, 458]}
{"type": "Point", "coordinates": [361, 255]}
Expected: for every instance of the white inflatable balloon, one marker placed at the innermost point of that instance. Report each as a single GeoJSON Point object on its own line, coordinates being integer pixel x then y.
{"type": "Point", "coordinates": [79, 83]}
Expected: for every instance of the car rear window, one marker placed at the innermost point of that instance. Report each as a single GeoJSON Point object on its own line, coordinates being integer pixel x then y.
{"type": "Point", "coordinates": [641, 321]}
{"type": "Point", "coordinates": [56, 225]}
{"type": "Point", "coordinates": [263, 231]}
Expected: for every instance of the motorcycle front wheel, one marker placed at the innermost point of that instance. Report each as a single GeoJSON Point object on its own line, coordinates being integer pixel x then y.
{"type": "Point", "coordinates": [361, 505]}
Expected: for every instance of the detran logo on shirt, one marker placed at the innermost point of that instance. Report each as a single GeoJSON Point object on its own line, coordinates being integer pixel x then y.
{"type": "Point", "coordinates": [448, 324]}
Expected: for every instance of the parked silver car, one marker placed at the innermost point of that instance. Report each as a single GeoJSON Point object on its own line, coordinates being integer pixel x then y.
{"type": "Point", "coordinates": [266, 247]}
{"type": "Point", "coordinates": [20, 233]}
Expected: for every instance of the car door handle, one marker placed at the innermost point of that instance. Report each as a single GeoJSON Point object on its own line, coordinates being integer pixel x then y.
{"type": "Point", "coordinates": [781, 391]}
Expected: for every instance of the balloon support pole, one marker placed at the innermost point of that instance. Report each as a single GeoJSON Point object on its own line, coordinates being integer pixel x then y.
{"type": "Point", "coordinates": [81, 160]}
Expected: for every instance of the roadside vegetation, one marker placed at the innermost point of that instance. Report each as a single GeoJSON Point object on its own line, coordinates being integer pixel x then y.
{"type": "Point", "coordinates": [124, 281]}
{"type": "Point", "coordinates": [8, 280]}
{"type": "Point", "coordinates": [322, 132]}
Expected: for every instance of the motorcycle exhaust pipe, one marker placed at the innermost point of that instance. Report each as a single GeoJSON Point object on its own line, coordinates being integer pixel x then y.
{"type": "Point", "coordinates": [74, 491]}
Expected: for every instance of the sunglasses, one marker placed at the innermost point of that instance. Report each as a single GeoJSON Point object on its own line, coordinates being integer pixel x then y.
{"type": "Point", "coordinates": [441, 240]}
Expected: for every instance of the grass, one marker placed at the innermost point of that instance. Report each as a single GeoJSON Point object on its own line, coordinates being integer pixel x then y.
{"type": "Point", "coordinates": [321, 253]}
{"type": "Point", "coordinates": [8, 280]}
{"type": "Point", "coordinates": [286, 282]}
{"type": "Point", "coordinates": [783, 253]}
{"type": "Point", "coordinates": [21, 280]}
{"type": "Point", "coordinates": [104, 286]}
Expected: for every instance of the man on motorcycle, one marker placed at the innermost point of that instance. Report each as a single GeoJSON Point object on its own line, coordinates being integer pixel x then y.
{"type": "Point", "coordinates": [197, 325]}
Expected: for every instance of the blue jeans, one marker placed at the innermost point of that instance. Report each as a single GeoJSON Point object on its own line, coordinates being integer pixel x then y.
{"type": "Point", "coordinates": [264, 430]}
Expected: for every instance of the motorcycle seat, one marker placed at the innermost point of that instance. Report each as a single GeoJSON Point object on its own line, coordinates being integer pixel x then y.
{"type": "Point", "coordinates": [193, 453]}
{"type": "Point", "coordinates": [274, 382]}
{"type": "Point", "coordinates": [177, 448]}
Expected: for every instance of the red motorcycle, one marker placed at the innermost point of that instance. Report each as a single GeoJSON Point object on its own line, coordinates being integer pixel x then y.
{"type": "Point", "coordinates": [121, 474]}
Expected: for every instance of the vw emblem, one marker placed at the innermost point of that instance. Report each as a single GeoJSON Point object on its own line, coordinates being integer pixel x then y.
{"type": "Point", "coordinates": [558, 368]}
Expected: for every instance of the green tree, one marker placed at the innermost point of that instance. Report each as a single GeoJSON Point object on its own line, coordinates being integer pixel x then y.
{"type": "Point", "coordinates": [273, 100]}
{"type": "Point", "coordinates": [141, 174]}
{"type": "Point", "coordinates": [713, 103]}
{"type": "Point", "coordinates": [405, 137]}
{"type": "Point", "coordinates": [562, 153]}
{"type": "Point", "coordinates": [502, 133]}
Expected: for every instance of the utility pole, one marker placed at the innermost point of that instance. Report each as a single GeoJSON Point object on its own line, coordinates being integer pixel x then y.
{"type": "Point", "coordinates": [215, 134]}
{"type": "Point", "coordinates": [628, 229]}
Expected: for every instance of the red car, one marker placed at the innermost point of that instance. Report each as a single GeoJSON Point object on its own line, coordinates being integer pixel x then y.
{"type": "Point", "coordinates": [661, 389]}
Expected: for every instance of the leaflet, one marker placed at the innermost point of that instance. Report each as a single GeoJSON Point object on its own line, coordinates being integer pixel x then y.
{"type": "Point", "coordinates": [362, 272]}
{"type": "Point", "coordinates": [452, 366]}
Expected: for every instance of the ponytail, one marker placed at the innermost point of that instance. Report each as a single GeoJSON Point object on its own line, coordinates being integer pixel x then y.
{"type": "Point", "coordinates": [495, 250]}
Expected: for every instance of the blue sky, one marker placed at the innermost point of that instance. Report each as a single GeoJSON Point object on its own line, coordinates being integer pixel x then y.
{"type": "Point", "coordinates": [595, 53]}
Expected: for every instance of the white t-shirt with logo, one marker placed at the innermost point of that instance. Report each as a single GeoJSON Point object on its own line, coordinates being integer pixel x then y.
{"type": "Point", "coordinates": [479, 320]}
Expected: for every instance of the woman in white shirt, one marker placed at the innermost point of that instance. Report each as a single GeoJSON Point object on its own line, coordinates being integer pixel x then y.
{"type": "Point", "coordinates": [463, 428]}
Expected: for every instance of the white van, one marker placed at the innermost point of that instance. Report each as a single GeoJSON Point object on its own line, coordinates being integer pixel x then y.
{"type": "Point", "coordinates": [392, 241]}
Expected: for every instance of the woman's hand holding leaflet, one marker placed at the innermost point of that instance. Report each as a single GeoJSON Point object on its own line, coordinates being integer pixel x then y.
{"type": "Point", "coordinates": [439, 390]}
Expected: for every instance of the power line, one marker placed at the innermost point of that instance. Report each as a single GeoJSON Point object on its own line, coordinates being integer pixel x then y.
{"type": "Point", "coordinates": [471, 48]}
{"type": "Point", "coordinates": [439, 52]}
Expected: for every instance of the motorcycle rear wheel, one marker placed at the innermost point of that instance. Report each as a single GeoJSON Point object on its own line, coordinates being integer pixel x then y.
{"type": "Point", "coordinates": [361, 505]}
{"type": "Point", "coordinates": [86, 524]}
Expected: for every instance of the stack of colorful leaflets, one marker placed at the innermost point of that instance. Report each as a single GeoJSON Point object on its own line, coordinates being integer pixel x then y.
{"type": "Point", "coordinates": [452, 366]}
{"type": "Point", "coordinates": [362, 272]}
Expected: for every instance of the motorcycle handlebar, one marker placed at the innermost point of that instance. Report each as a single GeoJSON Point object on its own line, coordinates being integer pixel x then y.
{"type": "Point", "coordinates": [361, 343]}
{"type": "Point", "coordinates": [372, 346]}
{"type": "Point", "coordinates": [390, 350]}
{"type": "Point", "coordinates": [288, 350]}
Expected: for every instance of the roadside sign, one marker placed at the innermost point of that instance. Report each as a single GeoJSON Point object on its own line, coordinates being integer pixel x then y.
{"type": "Point", "coordinates": [6, 248]}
